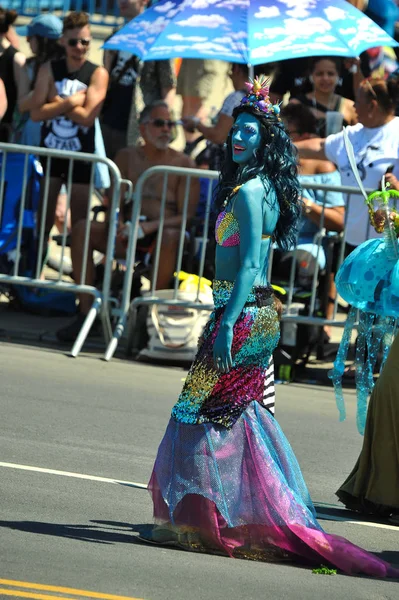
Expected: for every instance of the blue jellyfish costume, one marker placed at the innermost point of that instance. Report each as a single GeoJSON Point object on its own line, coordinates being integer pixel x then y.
{"type": "Point", "coordinates": [368, 280]}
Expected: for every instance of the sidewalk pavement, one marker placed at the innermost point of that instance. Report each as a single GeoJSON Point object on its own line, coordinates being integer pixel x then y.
{"type": "Point", "coordinates": [21, 326]}
{"type": "Point", "coordinates": [39, 330]}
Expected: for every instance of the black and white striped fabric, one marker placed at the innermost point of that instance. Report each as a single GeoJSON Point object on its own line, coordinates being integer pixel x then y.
{"type": "Point", "coordinates": [269, 393]}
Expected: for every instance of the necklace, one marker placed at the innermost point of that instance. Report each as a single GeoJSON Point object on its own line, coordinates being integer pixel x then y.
{"type": "Point", "coordinates": [314, 101]}
{"type": "Point", "coordinates": [232, 193]}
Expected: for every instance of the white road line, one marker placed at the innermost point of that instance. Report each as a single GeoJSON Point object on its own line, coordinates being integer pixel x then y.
{"type": "Point", "coordinates": [142, 486]}
{"type": "Point", "coordinates": [134, 484]}
{"type": "Point", "coordinates": [323, 516]}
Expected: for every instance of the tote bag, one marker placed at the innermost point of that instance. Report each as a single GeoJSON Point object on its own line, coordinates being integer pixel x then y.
{"type": "Point", "coordinates": [174, 330]}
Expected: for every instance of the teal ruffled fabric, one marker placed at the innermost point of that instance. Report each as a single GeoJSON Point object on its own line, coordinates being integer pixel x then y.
{"type": "Point", "coordinates": [368, 280]}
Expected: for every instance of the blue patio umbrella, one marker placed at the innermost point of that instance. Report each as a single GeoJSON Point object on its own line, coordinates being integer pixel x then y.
{"type": "Point", "coordinates": [249, 31]}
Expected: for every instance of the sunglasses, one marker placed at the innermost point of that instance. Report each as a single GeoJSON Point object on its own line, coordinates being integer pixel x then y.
{"type": "Point", "coordinates": [163, 122]}
{"type": "Point", "coordinates": [73, 42]}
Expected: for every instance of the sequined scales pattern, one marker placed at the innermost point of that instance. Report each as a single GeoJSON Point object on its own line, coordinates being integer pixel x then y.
{"type": "Point", "coordinates": [227, 231]}
{"type": "Point", "coordinates": [209, 396]}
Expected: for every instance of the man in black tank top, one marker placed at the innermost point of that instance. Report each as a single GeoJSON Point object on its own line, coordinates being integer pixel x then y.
{"type": "Point", "coordinates": [69, 94]}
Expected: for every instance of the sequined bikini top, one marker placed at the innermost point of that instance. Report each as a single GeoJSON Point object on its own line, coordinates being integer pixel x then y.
{"type": "Point", "coordinates": [227, 229]}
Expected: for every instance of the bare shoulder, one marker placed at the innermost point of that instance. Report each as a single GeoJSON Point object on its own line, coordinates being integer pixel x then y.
{"type": "Point", "coordinates": [45, 70]}
{"type": "Point", "coordinates": [100, 75]}
{"type": "Point", "coordinates": [252, 189]}
{"type": "Point", "coordinates": [20, 59]}
{"type": "Point", "coordinates": [100, 71]}
{"type": "Point", "coordinates": [324, 166]}
{"type": "Point", "coordinates": [126, 157]}
{"type": "Point", "coordinates": [44, 76]}
{"type": "Point", "coordinates": [130, 153]}
{"type": "Point", "coordinates": [251, 194]}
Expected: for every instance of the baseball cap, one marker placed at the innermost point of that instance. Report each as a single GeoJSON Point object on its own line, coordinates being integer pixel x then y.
{"type": "Point", "coordinates": [46, 26]}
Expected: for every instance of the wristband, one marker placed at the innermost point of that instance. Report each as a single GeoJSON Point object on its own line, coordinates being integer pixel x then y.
{"type": "Point", "coordinates": [308, 207]}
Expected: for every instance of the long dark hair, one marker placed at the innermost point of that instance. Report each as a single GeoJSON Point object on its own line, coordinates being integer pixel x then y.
{"type": "Point", "coordinates": [48, 49]}
{"type": "Point", "coordinates": [385, 92]}
{"type": "Point", "coordinates": [275, 163]}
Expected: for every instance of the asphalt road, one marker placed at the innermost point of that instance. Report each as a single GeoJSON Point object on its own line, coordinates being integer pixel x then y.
{"type": "Point", "coordinates": [85, 419]}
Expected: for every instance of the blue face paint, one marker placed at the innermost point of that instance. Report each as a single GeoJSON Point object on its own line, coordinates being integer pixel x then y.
{"type": "Point", "coordinates": [245, 139]}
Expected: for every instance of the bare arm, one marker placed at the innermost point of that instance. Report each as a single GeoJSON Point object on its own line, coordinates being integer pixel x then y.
{"type": "Point", "coordinates": [3, 100]}
{"type": "Point", "coordinates": [219, 132]}
{"type": "Point", "coordinates": [312, 148]}
{"type": "Point", "coordinates": [13, 37]}
{"type": "Point", "coordinates": [334, 217]}
{"type": "Point", "coordinates": [21, 77]}
{"type": "Point", "coordinates": [25, 94]}
{"type": "Point", "coordinates": [47, 105]}
{"type": "Point", "coordinates": [169, 95]}
{"type": "Point", "coordinates": [85, 115]}
{"type": "Point", "coordinates": [248, 211]}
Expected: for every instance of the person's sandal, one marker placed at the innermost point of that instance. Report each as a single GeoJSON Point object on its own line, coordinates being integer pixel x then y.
{"type": "Point", "coordinates": [160, 537]}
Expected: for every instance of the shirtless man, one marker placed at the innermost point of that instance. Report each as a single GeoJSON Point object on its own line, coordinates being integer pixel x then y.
{"type": "Point", "coordinates": [155, 128]}
{"type": "Point", "coordinates": [68, 96]}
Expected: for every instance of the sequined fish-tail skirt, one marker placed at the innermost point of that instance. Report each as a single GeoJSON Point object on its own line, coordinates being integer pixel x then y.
{"type": "Point", "coordinates": [225, 479]}
{"type": "Point", "coordinates": [209, 396]}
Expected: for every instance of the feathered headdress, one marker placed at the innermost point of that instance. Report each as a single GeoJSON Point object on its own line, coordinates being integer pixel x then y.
{"type": "Point", "coordinates": [258, 96]}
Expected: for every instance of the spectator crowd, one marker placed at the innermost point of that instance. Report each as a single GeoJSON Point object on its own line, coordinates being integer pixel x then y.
{"type": "Point", "coordinates": [125, 110]}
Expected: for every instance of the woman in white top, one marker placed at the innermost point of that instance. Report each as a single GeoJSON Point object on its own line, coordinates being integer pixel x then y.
{"type": "Point", "coordinates": [375, 140]}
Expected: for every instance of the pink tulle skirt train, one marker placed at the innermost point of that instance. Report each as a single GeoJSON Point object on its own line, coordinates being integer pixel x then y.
{"type": "Point", "coordinates": [240, 492]}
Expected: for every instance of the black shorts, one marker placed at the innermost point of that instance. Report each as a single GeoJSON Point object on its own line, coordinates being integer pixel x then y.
{"type": "Point", "coordinates": [59, 168]}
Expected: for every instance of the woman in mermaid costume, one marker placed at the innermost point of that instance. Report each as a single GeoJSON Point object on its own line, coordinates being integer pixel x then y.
{"type": "Point", "coordinates": [225, 479]}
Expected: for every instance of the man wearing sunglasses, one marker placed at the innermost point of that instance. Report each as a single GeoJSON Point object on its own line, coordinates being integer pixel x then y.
{"type": "Point", "coordinates": [69, 93]}
{"type": "Point", "coordinates": [156, 128]}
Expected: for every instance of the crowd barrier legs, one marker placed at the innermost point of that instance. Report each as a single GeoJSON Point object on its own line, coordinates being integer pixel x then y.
{"type": "Point", "coordinates": [128, 312]}
{"type": "Point", "coordinates": [128, 308]}
{"type": "Point", "coordinates": [22, 195]}
{"type": "Point", "coordinates": [121, 309]}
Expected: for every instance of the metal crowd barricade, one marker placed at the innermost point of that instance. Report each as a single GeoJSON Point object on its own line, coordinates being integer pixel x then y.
{"type": "Point", "coordinates": [102, 12]}
{"type": "Point", "coordinates": [128, 309]}
{"type": "Point", "coordinates": [310, 318]}
{"type": "Point", "coordinates": [102, 300]}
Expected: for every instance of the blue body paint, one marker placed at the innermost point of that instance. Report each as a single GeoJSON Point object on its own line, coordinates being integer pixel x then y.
{"type": "Point", "coordinates": [257, 213]}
